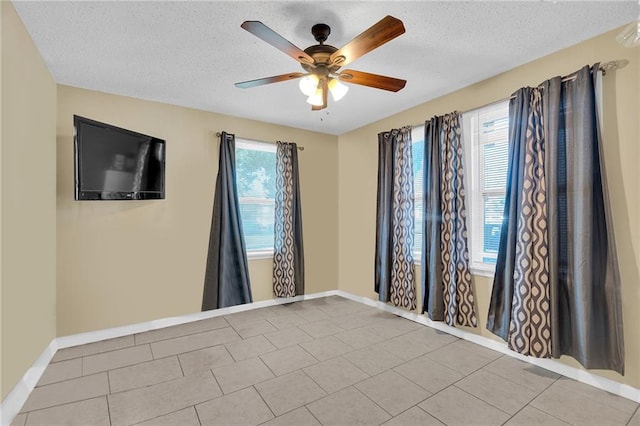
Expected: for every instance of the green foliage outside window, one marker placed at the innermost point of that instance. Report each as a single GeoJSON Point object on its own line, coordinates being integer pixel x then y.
{"type": "Point", "coordinates": [256, 181]}
{"type": "Point", "coordinates": [256, 173]}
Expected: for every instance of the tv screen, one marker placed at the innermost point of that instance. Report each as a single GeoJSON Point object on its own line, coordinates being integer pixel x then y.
{"type": "Point", "coordinates": [112, 163]}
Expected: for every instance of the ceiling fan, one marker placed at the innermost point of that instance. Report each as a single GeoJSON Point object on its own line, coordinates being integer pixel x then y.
{"type": "Point", "coordinates": [322, 62]}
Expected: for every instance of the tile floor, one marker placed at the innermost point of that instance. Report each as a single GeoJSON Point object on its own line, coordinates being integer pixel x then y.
{"type": "Point", "coordinates": [327, 361]}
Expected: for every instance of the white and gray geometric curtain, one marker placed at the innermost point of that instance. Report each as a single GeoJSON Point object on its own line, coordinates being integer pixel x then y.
{"type": "Point", "coordinates": [394, 264]}
{"type": "Point", "coordinates": [521, 305]}
{"type": "Point", "coordinates": [556, 289]}
{"type": "Point", "coordinates": [445, 278]}
{"type": "Point", "coordinates": [530, 324]}
{"type": "Point", "coordinates": [288, 256]}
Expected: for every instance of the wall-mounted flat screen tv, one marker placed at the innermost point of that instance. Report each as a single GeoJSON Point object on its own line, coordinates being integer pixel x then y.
{"type": "Point", "coordinates": [112, 163]}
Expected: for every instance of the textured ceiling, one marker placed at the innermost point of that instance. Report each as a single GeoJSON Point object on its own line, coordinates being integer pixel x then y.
{"type": "Point", "coordinates": [191, 53]}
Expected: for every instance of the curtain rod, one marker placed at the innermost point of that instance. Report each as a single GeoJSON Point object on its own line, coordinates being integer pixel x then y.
{"type": "Point", "coordinates": [607, 66]}
{"type": "Point", "coordinates": [300, 148]}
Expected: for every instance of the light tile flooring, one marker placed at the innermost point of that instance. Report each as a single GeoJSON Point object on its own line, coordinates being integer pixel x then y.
{"type": "Point", "coordinates": [325, 361]}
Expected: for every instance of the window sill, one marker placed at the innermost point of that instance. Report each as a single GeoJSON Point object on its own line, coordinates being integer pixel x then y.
{"type": "Point", "coordinates": [259, 254]}
{"type": "Point", "coordinates": [486, 271]}
{"type": "Point", "coordinates": [483, 271]}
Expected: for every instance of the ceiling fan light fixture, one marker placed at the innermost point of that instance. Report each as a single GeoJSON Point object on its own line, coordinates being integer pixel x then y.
{"type": "Point", "coordinates": [630, 36]}
{"type": "Point", "coordinates": [309, 84]}
{"type": "Point", "coordinates": [321, 62]}
{"type": "Point", "coordinates": [316, 98]}
{"type": "Point", "coordinates": [337, 89]}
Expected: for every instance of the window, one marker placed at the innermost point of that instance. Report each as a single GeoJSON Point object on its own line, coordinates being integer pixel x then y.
{"type": "Point", "coordinates": [256, 180]}
{"type": "Point", "coordinates": [485, 135]}
{"type": "Point", "coordinates": [417, 152]}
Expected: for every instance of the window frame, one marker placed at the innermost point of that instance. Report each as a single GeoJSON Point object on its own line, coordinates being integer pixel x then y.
{"type": "Point", "coordinates": [255, 145]}
{"type": "Point", "coordinates": [474, 176]}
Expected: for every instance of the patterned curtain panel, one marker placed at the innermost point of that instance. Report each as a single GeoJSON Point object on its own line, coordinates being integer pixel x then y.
{"type": "Point", "coordinates": [524, 322]}
{"type": "Point", "coordinates": [445, 275]}
{"type": "Point", "coordinates": [557, 289]}
{"type": "Point", "coordinates": [226, 281]}
{"type": "Point", "coordinates": [394, 266]}
{"type": "Point", "coordinates": [288, 256]}
{"type": "Point", "coordinates": [500, 308]}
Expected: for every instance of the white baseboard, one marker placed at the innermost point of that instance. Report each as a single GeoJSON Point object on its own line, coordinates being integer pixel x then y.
{"type": "Point", "coordinates": [125, 330]}
{"type": "Point", "coordinates": [578, 374]}
{"type": "Point", "coordinates": [16, 398]}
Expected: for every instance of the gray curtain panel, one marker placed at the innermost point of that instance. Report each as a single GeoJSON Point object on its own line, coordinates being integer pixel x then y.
{"type": "Point", "coordinates": [394, 266]}
{"type": "Point", "coordinates": [585, 280]}
{"type": "Point", "coordinates": [288, 256]}
{"type": "Point", "coordinates": [557, 288]}
{"type": "Point", "coordinates": [445, 276]}
{"type": "Point", "coordinates": [226, 281]}
{"type": "Point", "coordinates": [525, 321]}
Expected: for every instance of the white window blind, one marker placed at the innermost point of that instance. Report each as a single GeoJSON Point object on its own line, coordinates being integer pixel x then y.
{"type": "Point", "coordinates": [485, 136]}
{"type": "Point", "coordinates": [417, 152]}
{"type": "Point", "coordinates": [256, 181]}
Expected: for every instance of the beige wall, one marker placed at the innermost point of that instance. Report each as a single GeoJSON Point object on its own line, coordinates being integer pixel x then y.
{"type": "Point", "coordinates": [28, 203]}
{"type": "Point", "coordinates": [358, 171]}
{"type": "Point", "coordinates": [122, 262]}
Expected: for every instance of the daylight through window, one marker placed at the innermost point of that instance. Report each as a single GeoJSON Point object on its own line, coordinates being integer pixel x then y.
{"type": "Point", "coordinates": [256, 181]}
{"type": "Point", "coordinates": [417, 152]}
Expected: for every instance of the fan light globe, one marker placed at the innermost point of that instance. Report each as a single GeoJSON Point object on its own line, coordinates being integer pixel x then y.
{"type": "Point", "coordinates": [630, 36]}
{"type": "Point", "coordinates": [316, 98]}
{"type": "Point", "coordinates": [337, 89]}
{"type": "Point", "coordinates": [309, 84]}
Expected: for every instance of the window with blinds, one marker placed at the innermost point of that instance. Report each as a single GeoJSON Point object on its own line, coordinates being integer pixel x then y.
{"type": "Point", "coordinates": [485, 136]}
{"type": "Point", "coordinates": [417, 152]}
{"type": "Point", "coordinates": [256, 182]}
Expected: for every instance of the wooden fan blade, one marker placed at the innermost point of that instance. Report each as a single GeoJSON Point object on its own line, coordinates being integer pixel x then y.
{"type": "Point", "coordinates": [385, 30]}
{"type": "Point", "coordinates": [372, 80]}
{"type": "Point", "coordinates": [260, 30]}
{"type": "Point", "coordinates": [269, 80]}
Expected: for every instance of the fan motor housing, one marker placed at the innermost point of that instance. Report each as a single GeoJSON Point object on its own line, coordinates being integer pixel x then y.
{"type": "Point", "coordinates": [321, 54]}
